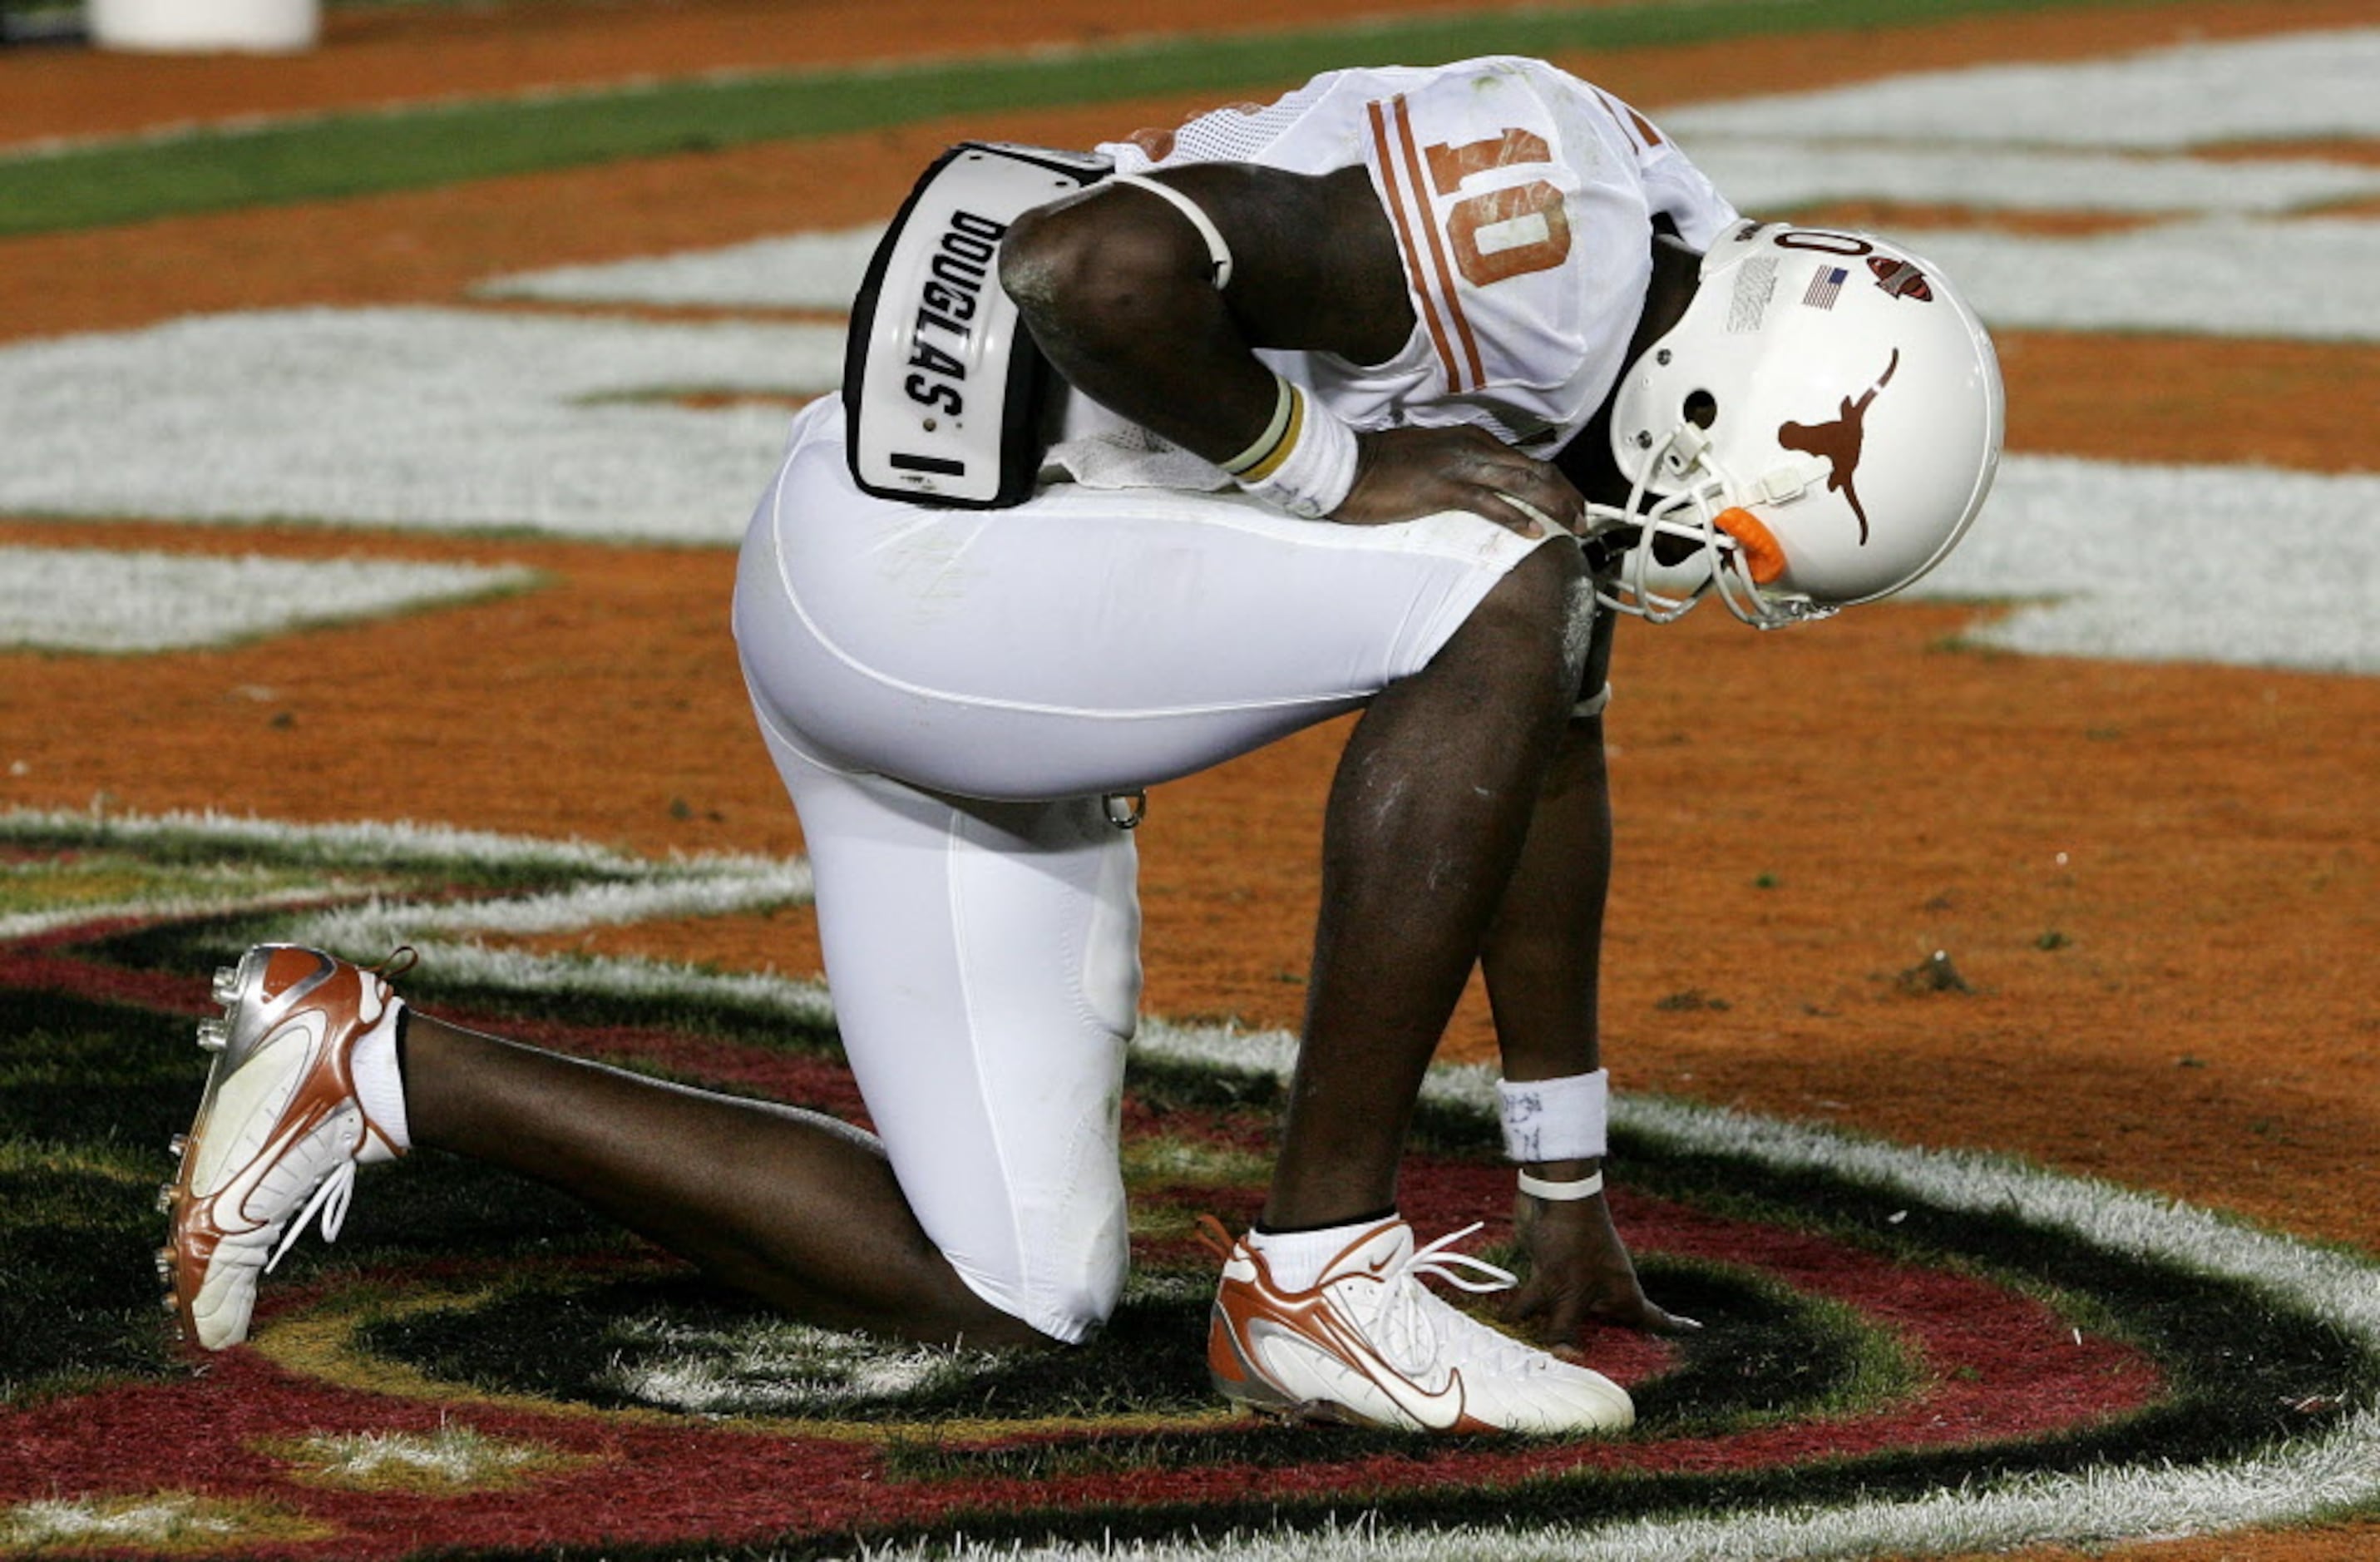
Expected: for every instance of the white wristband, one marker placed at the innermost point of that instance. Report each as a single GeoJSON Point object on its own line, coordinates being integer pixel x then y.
{"type": "Point", "coordinates": [1311, 466]}
{"type": "Point", "coordinates": [1555, 1119]}
{"type": "Point", "coordinates": [1586, 1186]}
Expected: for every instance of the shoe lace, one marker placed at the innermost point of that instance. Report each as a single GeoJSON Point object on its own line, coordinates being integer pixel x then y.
{"type": "Point", "coordinates": [1437, 1259]}
{"type": "Point", "coordinates": [1417, 1320]}
{"type": "Point", "coordinates": [331, 1196]}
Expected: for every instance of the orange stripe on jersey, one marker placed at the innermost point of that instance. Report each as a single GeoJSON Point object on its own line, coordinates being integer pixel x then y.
{"type": "Point", "coordinates": [1437, 254]}
{"type": "Point", "coordinates": [1416, 273]}
{"type": "Point", "coordinates": [1648, 138]}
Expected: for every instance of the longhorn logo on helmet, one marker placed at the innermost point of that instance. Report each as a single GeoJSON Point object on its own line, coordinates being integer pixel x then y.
{"type": "Point", "coordinates": [1839, 443]}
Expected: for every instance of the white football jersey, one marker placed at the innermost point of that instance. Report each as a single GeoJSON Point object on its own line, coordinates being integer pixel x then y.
{"type": "Point", "coordinates": [1523, 201]}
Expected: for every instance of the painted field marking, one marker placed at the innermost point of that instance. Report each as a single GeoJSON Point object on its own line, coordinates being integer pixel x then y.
{"type": "Point", "coordinates": [473, 420]}
{"type": "Point", "coordinates": [2289, 1478]}
{"type": "Point", "coordinates": [821, 270]}
{"type": "Point", "coordinates": [454, 421]}
{"type": "Point", "coordinates": [1778, 173]}
{"type": "Point", "coordinates": [2244, 270]}
{"type": "Point", "coordinates": [2238, 565]}
{"type": "Point", "coordinates": [92, 599]}
{"type": "Point", "coordinates": [2097, 135]}
{"type": "Point", "coordinates": [2291, 86]}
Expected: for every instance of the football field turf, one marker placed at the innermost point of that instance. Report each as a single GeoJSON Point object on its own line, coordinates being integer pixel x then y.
{"type": "Point", "coordinates": [381, 422]}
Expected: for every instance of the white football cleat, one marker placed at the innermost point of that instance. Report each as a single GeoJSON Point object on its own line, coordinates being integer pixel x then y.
{"type": "Point", "coordinates": [279, 1132]}
{"type": "Point", "coordinates": [1370, 1345]}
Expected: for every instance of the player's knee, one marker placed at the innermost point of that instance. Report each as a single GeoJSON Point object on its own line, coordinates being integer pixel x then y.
{"type": "Point", "coordinates": [1533, 628]}
{"type": "Point", "coordinates": [1536, 596]}
{"type": "Point", "coordinates": [1067, 1285]}
{"type": "Point", "coordinates": [1068, 1310]}
{"type": "Point", "coordinates": [1079, 1290]}
{"type": "Point", "coordinates": [1074, 1314]}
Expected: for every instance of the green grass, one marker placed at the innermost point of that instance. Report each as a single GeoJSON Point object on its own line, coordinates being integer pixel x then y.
{"type": "Point", "coordinates": [327, 158]}
{"type": "Point", "coordinates": [87, 1104]}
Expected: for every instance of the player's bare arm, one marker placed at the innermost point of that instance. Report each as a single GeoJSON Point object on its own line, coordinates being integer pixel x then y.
{"type": "Point", "coordinates": [1118, 288]}
{"type": "Point", "coordinates": [1542, 959]}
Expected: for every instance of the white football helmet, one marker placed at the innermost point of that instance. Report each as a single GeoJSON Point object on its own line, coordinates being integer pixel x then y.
{"type": "Point", "coordinates": [1819, 430]}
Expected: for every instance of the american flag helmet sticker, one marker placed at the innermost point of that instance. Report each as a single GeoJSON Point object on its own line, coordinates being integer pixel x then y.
{"type": "Point", "coordinates": [1824, 287]}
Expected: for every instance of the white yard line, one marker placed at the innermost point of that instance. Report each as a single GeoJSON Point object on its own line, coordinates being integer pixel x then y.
{"type": "Point", "coordinates": [2304, 280]}
{"type": "Point", "coordinates": [2243, 566]}
{"type": "Point", "coordinates": [455, 420]}
{"type": "Point", "coordinates": [819, 271]}
{"type": "Point", "coordinates": [2291, 86]}
{"type": "Point", "coordinates": [1773, 174]}
{"type": "Point", "coordinates": [92, 599]}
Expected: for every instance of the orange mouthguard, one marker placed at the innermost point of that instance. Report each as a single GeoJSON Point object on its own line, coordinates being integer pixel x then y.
{"type": "Point", "coordinates": [1764, 555]}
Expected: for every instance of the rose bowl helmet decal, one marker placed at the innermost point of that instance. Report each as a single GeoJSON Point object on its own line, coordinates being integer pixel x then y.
{"type": "Point", "coordinates": [1817, 430]}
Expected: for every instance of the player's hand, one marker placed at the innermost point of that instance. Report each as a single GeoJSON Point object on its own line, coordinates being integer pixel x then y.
{"type": "Point", "coordinates": [1579, 1272]}
{"type": "Point", "coordinates": [1402, 474]}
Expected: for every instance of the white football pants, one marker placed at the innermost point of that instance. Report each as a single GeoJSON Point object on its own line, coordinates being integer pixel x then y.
{"type": "Point", "coordinates": [949, 695]}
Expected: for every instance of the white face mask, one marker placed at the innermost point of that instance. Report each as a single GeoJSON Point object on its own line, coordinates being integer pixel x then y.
{"type": "Point", "coordinates": [1818, 429]}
